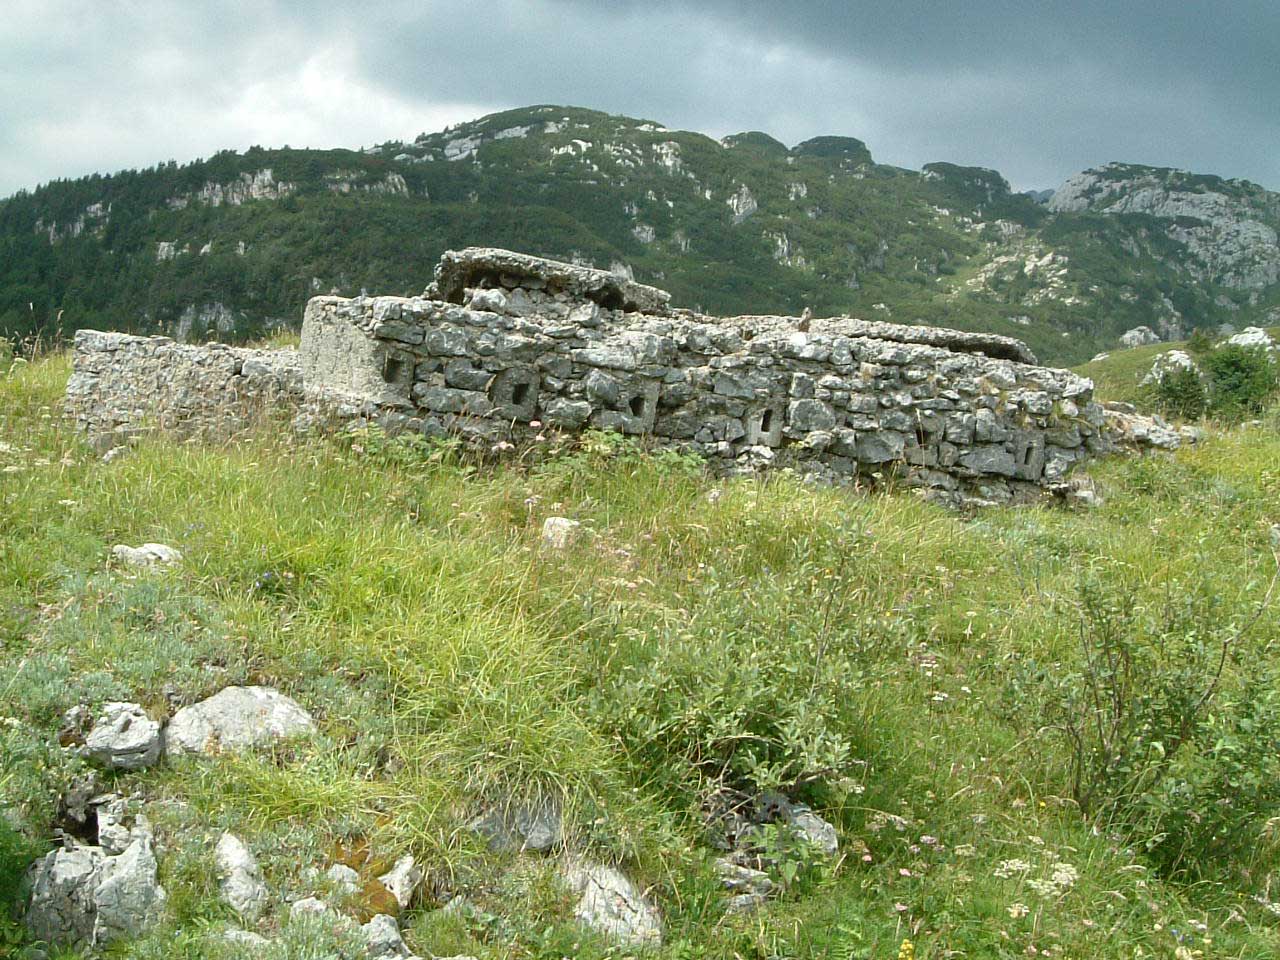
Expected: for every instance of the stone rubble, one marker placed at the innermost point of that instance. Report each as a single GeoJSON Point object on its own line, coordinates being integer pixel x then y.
{"type": "Point", "coordinates": [533, 827]}
{"type": "Point", "coordinates": [83, 897]}
{"type": "Point", "coordinates": [560, 532]}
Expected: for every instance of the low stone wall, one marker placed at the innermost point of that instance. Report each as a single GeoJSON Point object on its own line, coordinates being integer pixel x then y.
{"type": "Point", "coordinates": [123, 384]}
{"type": "Point", "coordinates": [503, 347]}
{"type": "Point", "coordinates": [527, 351]}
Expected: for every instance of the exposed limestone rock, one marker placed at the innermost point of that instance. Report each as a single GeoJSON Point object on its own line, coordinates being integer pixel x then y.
{"type": "Point", "coordinates": [344, 880]}
{"type": "Point", "coordinates": [560, 532]}
{"type": "Point", "coordinates": [402, 880]}
{"type": "Point", "coordinates": [1219, 222]}
{"type": "Point", "coordinates": [309, 907]}
{"type": "Point", "coordinates": [1139, 337]}
{"type": "Point", "coordinates": [240, 877]}
{"type": "Point", "coordinates": [147, 555]}
{"type": "Point", "coordinates": [382, 934]}
{"type": "Point", "coordinates": [123, 737]}
{"type": "Point", "coordinates": [1253, 337]}
{"type": "Point", "coordinates": [611, 905]}
{"type": "Point", "coordinates": [1171, 361]}
{"type": "Point", "coordinates": [236, 718]}
{"type": "Point", "coordinates": [81, 897]}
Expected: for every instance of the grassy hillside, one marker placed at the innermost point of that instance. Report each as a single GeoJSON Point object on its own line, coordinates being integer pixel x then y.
{"type": "Point", "coordinates": [233, 245]}
{"type": "Point", "coordinates": [912, 673]}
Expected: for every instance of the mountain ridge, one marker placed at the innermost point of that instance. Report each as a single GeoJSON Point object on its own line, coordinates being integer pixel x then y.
{"type": "Point", "coordinates": [234, 244]}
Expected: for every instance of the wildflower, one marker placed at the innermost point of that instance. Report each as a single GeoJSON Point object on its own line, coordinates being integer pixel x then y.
{"type": "Point", "coordinates": [907, 951]}
{"type": "Point", "coordinates": [966, 850]}
{"type": "Point", "coordinates": [1018, 910]}
{"type": "Point", "coordinates": [1008, 868]}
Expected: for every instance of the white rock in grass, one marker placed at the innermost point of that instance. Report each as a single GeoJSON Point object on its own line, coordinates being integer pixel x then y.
{"type": "Point", "coordinates": [240, 877]}
{"type": "Point", "coordinates": [345, 880]}
{"type": "Point", "coordinates": [611, 905]}
{"type": "Point", "coordinates": [123, 737]}
{"type": "Point", "coordinates": [402, 880]}
{"type": "Point", "coordinates": [147, 555]}
{"type": "Point", "coordinates": [234, 719]}
{"type": "Point", "coordinates": [243, 938]}
{"type": "Point", "coordinates": [382, 934]}
{"type": "Point", "coordinates": [309, 907]}
{"type": "Point", "coordinates": [560, 532]}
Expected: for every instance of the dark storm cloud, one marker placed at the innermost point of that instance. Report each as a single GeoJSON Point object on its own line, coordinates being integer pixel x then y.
{"type": "Point", "coordinates": [1035, 90]}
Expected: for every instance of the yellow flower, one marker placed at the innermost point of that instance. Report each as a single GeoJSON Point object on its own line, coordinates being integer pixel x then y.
{"type": "Point", "coordinates": [907, 951]}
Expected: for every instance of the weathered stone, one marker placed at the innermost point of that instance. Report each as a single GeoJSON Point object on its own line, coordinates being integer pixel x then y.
{"type": "Point", "coordinates": [345, 880]}
{"type": "Point", "coordinates": [560, 532]}
{"type": "Point", "coordinates": [402, 880]}
{"type": "Point", "coordinates": [147, 555]}
{"type": "Point", "coordinates": [505, 346]}
{"type": "Point", "coordinates": [236, 718]}
{"type": "Point", "coordinates": [611, 905]}
{"type": "Point", "coordinates": [382, 935]}
{"type": "Point", "coordinates": [239, 877]}
{"type": "Point", "coordinates": [80, 897]}
{"type": "Point", "coordinates": [123, 738]}
{"type": "Point", "coordinates": [523, 826]}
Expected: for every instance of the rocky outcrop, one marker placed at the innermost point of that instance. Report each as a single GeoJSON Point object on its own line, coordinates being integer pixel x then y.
{"type": "Point", "coordinates": [1227, 226]}
{"type": "Point", "coordinates": [82, 897]}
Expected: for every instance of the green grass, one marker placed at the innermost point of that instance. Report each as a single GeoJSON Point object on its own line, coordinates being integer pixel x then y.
{"type": "Point", "coordinates": [882, 651]}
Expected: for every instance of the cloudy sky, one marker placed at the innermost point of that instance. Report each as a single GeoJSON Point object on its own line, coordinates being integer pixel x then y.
{"type": "Point", "coordinates": [1035, 89]}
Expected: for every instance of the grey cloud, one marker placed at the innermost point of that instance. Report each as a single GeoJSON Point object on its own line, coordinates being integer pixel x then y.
{"type": "Point", "coordinates": [1036, 90]}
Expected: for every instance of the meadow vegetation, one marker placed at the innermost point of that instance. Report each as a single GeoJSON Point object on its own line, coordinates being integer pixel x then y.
{"type": "Point", "coordinates": [1040, 732]}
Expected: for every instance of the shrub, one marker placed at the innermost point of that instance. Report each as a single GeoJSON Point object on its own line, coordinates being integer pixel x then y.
{"type": "Point", "coordinates": [1183, 393]}
{"type": "Point", "coordinates": [1158, 748]}
{"type": "Point", "coordinates": [1244, 379]}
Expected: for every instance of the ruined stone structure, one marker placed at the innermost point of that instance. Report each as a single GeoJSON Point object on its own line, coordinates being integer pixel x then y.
{"type": "Point", "coordinates": [503, 347]}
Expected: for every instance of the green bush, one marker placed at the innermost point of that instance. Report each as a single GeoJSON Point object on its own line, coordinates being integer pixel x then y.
{"type": "Point", "coordinates": [1183, 393]}
{"type": "Point", "coordinates": [1244, 379]}
{"type": "Point", "coordinates": [1158, 749]}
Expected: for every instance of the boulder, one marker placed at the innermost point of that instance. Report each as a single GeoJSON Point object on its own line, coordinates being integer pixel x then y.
{"type": "Point", "coordinates": [1254, 337]}
{"type": "Point", "coordinates": [234, 719]}
{"type": "Point", "coordinates": [240, 878]}
{"type": "Point", "coordinates": [344, 880]}
{"type": "Point", "coordinates": [1171, 361]}
{"type": "Point", "coordinates": [611, 905]}
{"type": "Point", "coordinates": [559, 532]}
{"type": "Point", "coordinates": [123, 737]}
{"type": "Point", "coordinates": [81, 897]}
{"type": "Point", "coordinates": [128, 898]}
{"type": "Point", "coordinates": [147, 555]}
{"type": "Point", "coordinates": [532, 826]}
{"type": "Point", "coordinates": [1139, 337]}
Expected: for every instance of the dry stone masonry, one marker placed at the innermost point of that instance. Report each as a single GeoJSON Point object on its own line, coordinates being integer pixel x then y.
{"type": "Point", "coordinates": [504, 347]}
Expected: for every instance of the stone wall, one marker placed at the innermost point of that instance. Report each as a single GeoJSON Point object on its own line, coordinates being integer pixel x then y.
{"type": "Point", "coordinates": [123, 384]}
{"type": "Point", "coordinates": [503, 347]}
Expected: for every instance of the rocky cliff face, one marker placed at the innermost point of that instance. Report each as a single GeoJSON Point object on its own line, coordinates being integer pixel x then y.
{"type": "Point", "coordinates": [1227, 227]}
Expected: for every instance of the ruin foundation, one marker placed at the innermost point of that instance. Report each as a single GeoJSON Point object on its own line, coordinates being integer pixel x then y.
{"type": "Point", "coordinates": [503, 347]}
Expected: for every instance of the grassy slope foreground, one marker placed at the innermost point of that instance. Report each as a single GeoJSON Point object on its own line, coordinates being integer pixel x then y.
{"type": "Point", "coordinates": [907, 670]}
